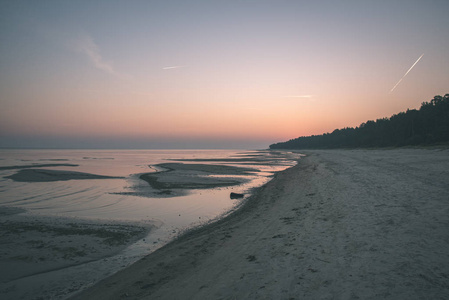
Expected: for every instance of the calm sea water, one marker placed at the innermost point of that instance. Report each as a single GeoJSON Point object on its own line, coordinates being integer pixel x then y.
{"type": "Point", "coordinates": [116, 200]}
{"type": "Point", "coordinates": [109, 198]}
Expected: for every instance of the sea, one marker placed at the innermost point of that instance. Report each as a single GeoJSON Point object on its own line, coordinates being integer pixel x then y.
{"type": "Point", "coordinates": [116, 199]}
{"type": "Point", "coordinates": [122, 198]}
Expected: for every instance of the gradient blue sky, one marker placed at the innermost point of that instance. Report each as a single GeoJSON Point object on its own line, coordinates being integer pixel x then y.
{"type": "Point", "coordinates": [211, 74]}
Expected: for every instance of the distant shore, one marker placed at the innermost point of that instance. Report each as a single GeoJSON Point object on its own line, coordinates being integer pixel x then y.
{"type": "Point", "coordinates": [344, 224]}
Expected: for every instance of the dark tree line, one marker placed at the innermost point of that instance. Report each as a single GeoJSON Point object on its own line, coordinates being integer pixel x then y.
{"type": "Point", "coordinates": [426, 126]}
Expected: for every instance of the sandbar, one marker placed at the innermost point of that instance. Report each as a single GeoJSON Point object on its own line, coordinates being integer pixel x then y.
{"type": "Point", "coordinates": [36, 166]}
{"type": "Point", "coordinates": [195, 176]}
{"type": "Point", "coordinates": [44, 175]}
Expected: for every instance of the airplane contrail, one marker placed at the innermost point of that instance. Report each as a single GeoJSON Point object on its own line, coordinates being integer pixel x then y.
{"type": "Point", "coordinates": [407, 72]}
{"type": "Point", "coordinates": [173, 67]}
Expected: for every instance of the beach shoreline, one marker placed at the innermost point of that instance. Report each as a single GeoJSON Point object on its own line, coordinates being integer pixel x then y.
{"type": "Point", "coordinates": [341, 224]}
{"type": "Point", "coordinates": [53, 245]}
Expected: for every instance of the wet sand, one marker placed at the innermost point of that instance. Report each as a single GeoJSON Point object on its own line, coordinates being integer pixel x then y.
{"type": "Point", "coordinates": [194, 176]}
{"type": "Point", "coordinates": [43, 175]}
{"type": "Point", "coordinates": [43, 257]}
{"type": "Point", "coordinates": [341, 224]}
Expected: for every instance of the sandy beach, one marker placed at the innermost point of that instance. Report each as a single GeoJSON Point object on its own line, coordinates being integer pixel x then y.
{"type": "Point", "coordinates": [362, 224]}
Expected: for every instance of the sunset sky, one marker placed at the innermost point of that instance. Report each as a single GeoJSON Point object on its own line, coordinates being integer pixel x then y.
{"type": "Point", "coordinates": [212, 74]}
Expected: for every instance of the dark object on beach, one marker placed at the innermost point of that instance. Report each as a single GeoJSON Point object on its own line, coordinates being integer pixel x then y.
{"type": "Point", "coordinates": [251, 258]}
{"type": "Point", "coordinates": [236, 196]}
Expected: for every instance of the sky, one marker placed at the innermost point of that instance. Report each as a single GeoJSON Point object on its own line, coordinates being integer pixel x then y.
{"type": "Point", "coordinates": [212, 74]}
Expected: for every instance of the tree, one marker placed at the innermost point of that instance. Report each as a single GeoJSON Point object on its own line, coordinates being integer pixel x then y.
{"type": "Point", "coordinates": [428, 125]}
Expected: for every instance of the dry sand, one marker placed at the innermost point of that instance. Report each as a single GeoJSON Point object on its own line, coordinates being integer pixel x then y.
{"type": "Point", "coordinates": [340, 225]}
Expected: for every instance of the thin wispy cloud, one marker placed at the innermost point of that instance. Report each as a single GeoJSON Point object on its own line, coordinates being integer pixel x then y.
{"type": "Point", "coordinates": [173, 67]}
{"type": "Point", "coordinates": [406, 73]}
{"type": "Point", "coordinates": [86, 45]}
